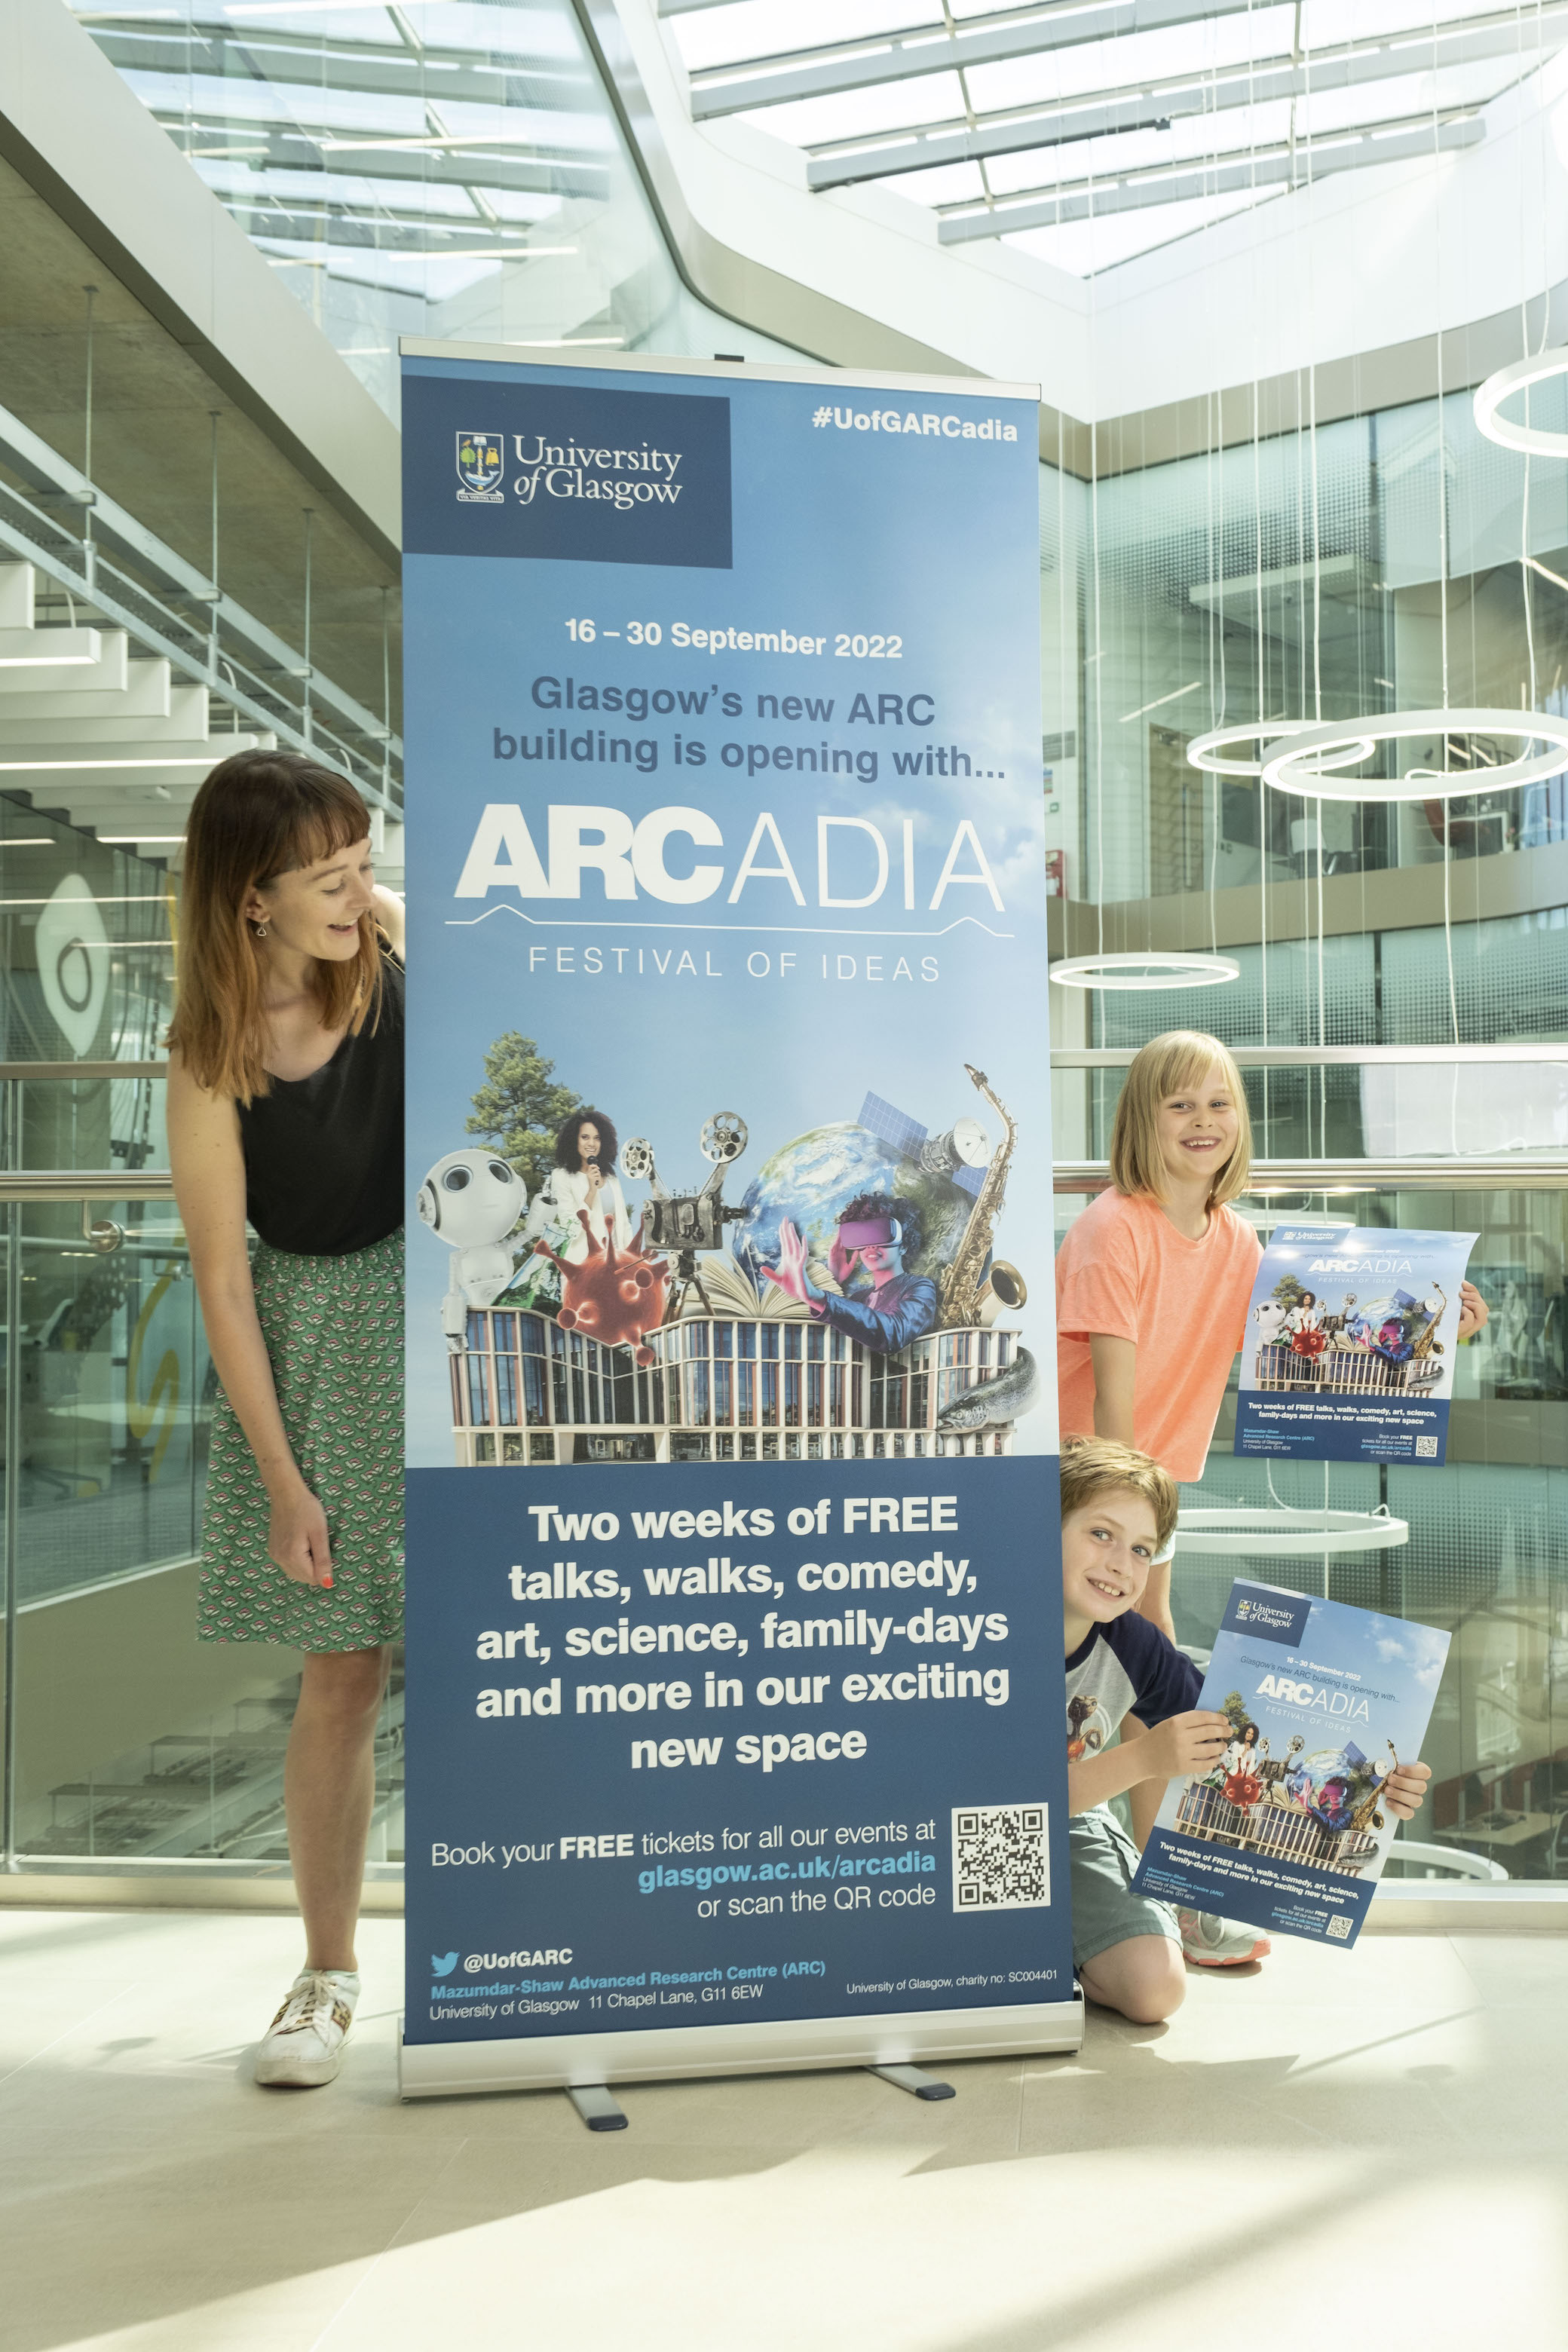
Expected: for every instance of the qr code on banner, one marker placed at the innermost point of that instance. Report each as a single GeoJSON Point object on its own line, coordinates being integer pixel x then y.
{"type": "Point", "coordinates": [1338, 1931]}
{"type": "Point", "coordinates": [1000, 1861]}
{"type": "Point", "coordinates": [1426, 1449]}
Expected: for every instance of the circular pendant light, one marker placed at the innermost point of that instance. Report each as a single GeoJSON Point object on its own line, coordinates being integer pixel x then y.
{"type": "Point", "coordinates": [1306, 761]}
{"type": "Point", "coordinates": [1207, 751]}
{"type": "Point", "coordinates": [1532, 440]}
{"type": "Point", "coordinates": [1279, 1531]}
{"type": "Point", "coordinates": [1154, 968]}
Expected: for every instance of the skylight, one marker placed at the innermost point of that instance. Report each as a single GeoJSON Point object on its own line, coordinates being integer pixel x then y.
{"type": "Point", "coordinates": [1090, 131]}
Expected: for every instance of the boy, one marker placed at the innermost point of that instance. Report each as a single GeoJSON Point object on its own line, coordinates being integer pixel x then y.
{"type": "Point", "coordinates": [1119, 1511]}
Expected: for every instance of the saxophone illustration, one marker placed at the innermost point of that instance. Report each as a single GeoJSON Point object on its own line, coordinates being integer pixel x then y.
{"type": "Point", "coordinates": [960, 1293]}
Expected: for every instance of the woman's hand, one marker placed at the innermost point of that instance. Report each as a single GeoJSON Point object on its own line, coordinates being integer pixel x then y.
{"type": "Point", "coordinates": [296, 1539]}
{"type": "Point", "coordinates": [595, 1179]}
{"type": "Point", "coordinates": [1186, 1744]}
{"type": "Point", "coordinates": [789, 1272]}
{"type": "Point", "coordinates": [1473, 1310]}
{"type": "Point", "coordinates": [1406, 1787]}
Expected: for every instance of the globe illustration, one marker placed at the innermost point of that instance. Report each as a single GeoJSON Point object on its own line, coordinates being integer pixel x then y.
{"type": "Point", "coordinates": [812, 1180]}
{"type": "Point", "coordinates": [1335, 1782]}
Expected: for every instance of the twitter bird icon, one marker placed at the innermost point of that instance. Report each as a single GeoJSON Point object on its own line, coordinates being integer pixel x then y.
{"type": "Point", "coordinates": [442, 1963]}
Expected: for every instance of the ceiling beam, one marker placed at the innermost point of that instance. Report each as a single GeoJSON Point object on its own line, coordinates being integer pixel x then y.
{"type": "Point", "coordinates": [901, 57]}
{"type": "Point", "coordinates": [290, 151]}
{"type": "Point", "coordinates": [1151, 108]}
{"type": "Point", "coordinates": [222, 53]}
{"type": "Point", "coordinates": [1084, 199]}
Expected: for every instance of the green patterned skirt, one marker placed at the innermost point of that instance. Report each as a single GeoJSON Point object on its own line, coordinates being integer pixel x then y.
{"type": "Point", "coordinates": [333, 1328]}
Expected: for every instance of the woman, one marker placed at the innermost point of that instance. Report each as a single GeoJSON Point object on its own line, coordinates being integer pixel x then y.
{"type": "Point", "coordinates": [286, 1106]}
{"type": "Point", "coordinates": [582, 1179]}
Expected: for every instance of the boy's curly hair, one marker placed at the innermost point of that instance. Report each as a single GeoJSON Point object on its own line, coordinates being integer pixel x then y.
{"type": "Point", "coordinates": [1098, 1465]}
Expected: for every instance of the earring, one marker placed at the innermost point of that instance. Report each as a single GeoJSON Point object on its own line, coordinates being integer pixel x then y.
{"type": "Point", "coordinates": [259, 930]}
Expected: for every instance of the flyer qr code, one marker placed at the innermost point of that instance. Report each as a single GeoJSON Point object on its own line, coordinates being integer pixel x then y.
{"type": "Point", "coordinates": [1000, 1858]}
{"type": "Point", "coordinates": [1427, 1448]}
{"type": "Point", "coordinates": [1338, 1931]}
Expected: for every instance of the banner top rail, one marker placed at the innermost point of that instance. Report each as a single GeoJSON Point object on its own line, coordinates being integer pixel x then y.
{"type": "Point", "coordinates": [417, 347]}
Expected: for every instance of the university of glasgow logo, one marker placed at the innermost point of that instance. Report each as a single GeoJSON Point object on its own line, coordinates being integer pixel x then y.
{"type": "Point", "coordinates": [480, 466]}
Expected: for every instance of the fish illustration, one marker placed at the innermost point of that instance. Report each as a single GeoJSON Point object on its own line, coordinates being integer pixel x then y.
{"type": "Point", "coordinates": [993, 1402]}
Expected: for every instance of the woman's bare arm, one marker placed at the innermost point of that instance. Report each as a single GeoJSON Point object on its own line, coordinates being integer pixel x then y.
{"type": "Point", "coordinates": [209, 1185]}
{"type": "Point", "coordinates": [389, 915]}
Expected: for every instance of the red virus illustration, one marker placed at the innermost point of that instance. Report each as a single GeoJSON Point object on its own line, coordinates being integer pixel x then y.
{"type": "Point", "coordinates": [614, 1298]}
{"type": "Point", "coordinates": [1243, 1787]}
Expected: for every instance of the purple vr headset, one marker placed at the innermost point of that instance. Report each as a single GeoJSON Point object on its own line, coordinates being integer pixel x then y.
{"type": "Point", "coordinates": [870, 1232]}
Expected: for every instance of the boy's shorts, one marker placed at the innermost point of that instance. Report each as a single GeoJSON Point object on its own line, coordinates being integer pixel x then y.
{"type": "Point", "coordinates": [1101, 1859]}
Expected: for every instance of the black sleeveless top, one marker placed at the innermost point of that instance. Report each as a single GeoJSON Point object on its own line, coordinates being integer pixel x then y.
{"type": "Point", "coordinates": [323, 1155]}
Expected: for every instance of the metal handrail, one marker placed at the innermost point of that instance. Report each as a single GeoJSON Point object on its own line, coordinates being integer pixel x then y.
{"type": "Point", "coordinates": [1063, 1058]}
{"type": "Point", "coordinates": [83, 1069]}
{"type": "Point", "coordinates": [86, 1185]}
{"type": "Point", "coordinates": [1319, 1057]}
{"type": "Point", "coordinates": [1545, 1175]}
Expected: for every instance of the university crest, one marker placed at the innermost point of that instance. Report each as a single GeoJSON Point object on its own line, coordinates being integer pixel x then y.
{"type": "Point", "coordinates": [479, 467]}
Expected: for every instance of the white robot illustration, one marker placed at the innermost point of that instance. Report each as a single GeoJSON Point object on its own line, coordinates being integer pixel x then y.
{"type": "Point", "coordinates": [472, 1201]}
{"type": "Point", "coordinates": [1269, 1317]}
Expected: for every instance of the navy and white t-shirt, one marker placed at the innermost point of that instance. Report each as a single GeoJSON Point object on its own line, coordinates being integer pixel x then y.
{"type": "Point", "coordinates": [1128, 1667]}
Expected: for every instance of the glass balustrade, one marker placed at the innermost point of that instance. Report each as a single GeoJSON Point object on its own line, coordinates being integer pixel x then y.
{"type": "Point", "coordinates": [127, 1744]}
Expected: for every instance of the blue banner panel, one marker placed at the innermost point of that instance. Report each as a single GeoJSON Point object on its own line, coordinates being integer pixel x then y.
{"type": "Point", "coordinates": [680, 1779]}
{"type": "Point", "coordinates": [729, 1138]}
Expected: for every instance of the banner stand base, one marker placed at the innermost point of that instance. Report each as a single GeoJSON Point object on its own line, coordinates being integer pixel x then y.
{"type": "Point", "coordinates": [597, 2109]}
{"type": "Point", "coordinates": [590, 2062]}
{"type": "Point", "coordinates": [914, 2079]}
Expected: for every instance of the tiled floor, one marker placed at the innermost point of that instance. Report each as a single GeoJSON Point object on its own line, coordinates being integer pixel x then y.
{"type": "Point", "coordinates": [1367, 2147]}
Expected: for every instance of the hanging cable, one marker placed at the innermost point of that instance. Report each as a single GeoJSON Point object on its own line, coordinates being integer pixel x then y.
{"type": "Point", "coordinates": [213, 652]}
{"type": "Point", "coordinates": [89, 553]}
{"type": "Point", "coordinates": [305, 715]}
{"type": "Point", "coordinates": [1447, 836]}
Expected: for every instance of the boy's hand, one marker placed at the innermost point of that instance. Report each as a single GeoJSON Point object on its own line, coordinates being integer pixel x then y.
{"type": "Point", "coordinates": [1404, 1789]}
{"type": "Point", "coordinates": [1189, 1743]}
{"type": "Point", "coordinates": [1474, 1312]}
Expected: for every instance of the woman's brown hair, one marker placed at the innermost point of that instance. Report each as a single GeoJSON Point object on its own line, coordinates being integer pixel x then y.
{"type": "Point", "coordinates": [259, 814]}
{"type": "Point", "coordinates": [1164, 1067]}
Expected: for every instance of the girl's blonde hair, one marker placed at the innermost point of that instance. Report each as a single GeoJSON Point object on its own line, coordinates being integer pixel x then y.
{"type": "Point", "coordinates": [1100, 1466]}
{"type": "Point", "coordinates": [1164, 1067]}
{"type": "Point", "coordinates": [259, 814]}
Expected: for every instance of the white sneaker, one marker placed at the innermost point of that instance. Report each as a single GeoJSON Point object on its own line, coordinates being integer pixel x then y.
{"type": "Point", "coordinates": [1211, 1942]}
{"type": "Point", "coordinates": [304, 2044]}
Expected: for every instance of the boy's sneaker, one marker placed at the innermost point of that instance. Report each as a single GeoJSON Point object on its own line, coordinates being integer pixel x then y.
{"type": "Point", "coordinates": [1211, 1942]}
{"type": "Point", "coordinates": [304, 2044]}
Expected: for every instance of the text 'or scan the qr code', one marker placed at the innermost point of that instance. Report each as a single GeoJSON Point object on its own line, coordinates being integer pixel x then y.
{"type": "Point", "coordinates": [1000, 1860]}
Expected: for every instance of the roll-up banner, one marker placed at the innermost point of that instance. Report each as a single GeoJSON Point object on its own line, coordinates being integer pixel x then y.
{"type": "Point", "coordinates": [735, 1700]}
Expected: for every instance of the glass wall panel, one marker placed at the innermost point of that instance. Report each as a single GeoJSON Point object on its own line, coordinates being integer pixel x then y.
{"type": "Point", "coordinates": [1377, 562]}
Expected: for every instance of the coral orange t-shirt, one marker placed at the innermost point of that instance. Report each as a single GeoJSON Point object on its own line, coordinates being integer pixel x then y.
{"type": "Point", "coordinates": [1124, 1270]}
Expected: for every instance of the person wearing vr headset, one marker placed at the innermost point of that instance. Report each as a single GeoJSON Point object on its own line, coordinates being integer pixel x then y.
{"type": "Point", "coordinates": [878, 1233]}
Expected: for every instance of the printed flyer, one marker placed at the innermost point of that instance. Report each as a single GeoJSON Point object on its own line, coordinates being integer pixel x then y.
{"type": "Point", "coordinates": [1349, 1353]}
{"type": "Point", "coordinates": [733, 1625]}
{"type": "Point", "coordinates": [1288, 1832]}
